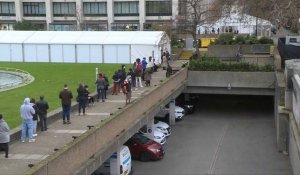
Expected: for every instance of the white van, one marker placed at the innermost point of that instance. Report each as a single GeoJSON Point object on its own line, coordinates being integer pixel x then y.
{"type": "Point", "coordinates": [112, 167]}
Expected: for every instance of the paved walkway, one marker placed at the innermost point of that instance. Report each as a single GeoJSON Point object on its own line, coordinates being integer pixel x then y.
{"type": "Point", "coordinates": [22, 155]}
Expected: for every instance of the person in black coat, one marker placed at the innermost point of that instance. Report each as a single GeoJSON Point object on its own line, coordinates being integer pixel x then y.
{"type": "Point", "coordinates": [43, 106]}
{"type": "Point", "coordinates": [81, 99]}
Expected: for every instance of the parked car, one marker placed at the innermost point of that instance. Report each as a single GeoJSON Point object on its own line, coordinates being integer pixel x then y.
{"type": "Point", "coordinates": [188, 107]}
{"type": "Point", "coordinates": [164, 113]}
{"type": "Point", "coordinates": [162, 127]}
{"type": "Point", "coordinates": [159, 137]}
{"type": "Point", "coordinates": [110, 166]}
{"type": "Point", "coordinates": [144, 149]}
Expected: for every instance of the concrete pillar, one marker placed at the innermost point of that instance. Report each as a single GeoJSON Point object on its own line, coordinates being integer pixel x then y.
{"type": "Point", "coordinates": [282, 130]}
{"type": "Point", "coordinates": [49, 12]}
{"type": "Point", "coordinates": [110, 13]}
{"type": "Point", "coordinates": [142, 12]}
{"type": "Point", "coordinates": [79, 14]}
{"type": "Point", "coordinates": [175, 6]}
{"type": "Point", "coordinates": [150, 129]}
{"type": "Point", "coordinates": [172, 112]}
{"type": "Point", "coordinates": [19, 10]}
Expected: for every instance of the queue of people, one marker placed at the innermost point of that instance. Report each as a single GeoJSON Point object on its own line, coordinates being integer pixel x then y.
{"type": "Point", "coordinates": [32, 111]}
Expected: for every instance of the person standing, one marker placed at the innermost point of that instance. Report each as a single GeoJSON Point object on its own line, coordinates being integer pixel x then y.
{"type": "Point", "coordinates": [164, 61]}
{"type": "Point", "coordinates": [144, 66]}
{"type": "Point", "coordinates": [116, 80]}
{"type": "Point", "coordinates": [43, 106]}
{"type": "Point", "coordinates": [26, 112]}
{"type": "Point", "coordinates": [100, 87]}
{"type": "Point", "coordinates": [106, 86]}
{"type": "Point", "coordinates": [127, 91]}
{"type": "Point", "coordinates": [4, 136]}
{"type": "Point", "coordinates": [138, 73]}
{"type": "Point", "coordinates": [82, 98]}
{"type": "Point", "coordinates": [66, 96]}
{"type": "Point", "coordinates": [34, 117]}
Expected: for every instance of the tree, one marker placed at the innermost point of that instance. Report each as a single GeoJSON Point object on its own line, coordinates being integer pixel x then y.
{"type": "Point", "coordinates": [281, 13]}
{"type": "Point", "coordinates": [25, 25]}
{"type": "Point", "coordinates": [196, 13]}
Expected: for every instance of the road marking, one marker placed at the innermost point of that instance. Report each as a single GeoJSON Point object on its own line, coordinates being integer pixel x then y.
{"type": "Point", "coordinates": [63, 131]}
{"type": "Point", "coordinates": [26, 156]}
{"type": "Point", "coordinates": [215, 157]}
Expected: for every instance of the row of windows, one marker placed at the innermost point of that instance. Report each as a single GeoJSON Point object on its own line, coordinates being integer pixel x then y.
{"type": "Point", "coordinates": [128, 8]}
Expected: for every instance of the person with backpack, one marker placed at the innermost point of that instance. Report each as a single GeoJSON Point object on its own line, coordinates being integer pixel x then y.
{"type": "Point", "coordinates": [138, 73]}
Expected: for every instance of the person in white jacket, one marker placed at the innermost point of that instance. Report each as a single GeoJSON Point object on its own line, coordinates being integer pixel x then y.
{"type": "Point", "coordinates": [26, 112]}
{"type": "Point", "coordinates": [4, 136]}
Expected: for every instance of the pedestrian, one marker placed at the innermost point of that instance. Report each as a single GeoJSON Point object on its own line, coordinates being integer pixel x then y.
{"type": "Point", "coordinates": [34, 116]}
{"type": "Point", "coordinates": [82, 99]}
{"type": "Point", "coordinates": [144, 66]}
{"type": "Point", "coordinates": [147, 76]}
{"type": "Point", "coordinates": [155, 65]}
{"type": "Point", "coordinates": [26, 112]}
{"type": "Point", "coordinates": [127, 91]}
{"type": "Point", "coordinates": [150, 65]}
{"type": "Point", "coordinates": [66, 96]}
{"type": "Point", "coordinates": [106, 86]}
{"type": "Point", "coordinates": [164, 61]}
{"type": "Point", "coordinates": [116, 80]}
{"type": "Point", "coordinates": [43, 106]}
{"type": "Point", "coordinates": [169, 71]}
{"type": "Point", "coordinates": [138, 73]}
{"type": "Point", "coordinates": [100, 83]}
{"type": "Point", "coordinates": [133, 76]}
{"type": "Point", "coordinates": [122, 75]}
{"type": "Point", "coordinates": [4, 136]}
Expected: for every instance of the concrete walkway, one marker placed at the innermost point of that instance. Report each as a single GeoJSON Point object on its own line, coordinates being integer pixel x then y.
{"type": "Point", "coordinates": [24, 155]}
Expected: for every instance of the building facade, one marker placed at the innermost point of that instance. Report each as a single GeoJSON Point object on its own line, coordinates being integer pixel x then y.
{"type": "Point", "coordinates": [95, 15]}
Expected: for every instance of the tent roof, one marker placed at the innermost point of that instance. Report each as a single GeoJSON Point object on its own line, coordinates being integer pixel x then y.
{"type": "Point", "coordinates": [82, 37]}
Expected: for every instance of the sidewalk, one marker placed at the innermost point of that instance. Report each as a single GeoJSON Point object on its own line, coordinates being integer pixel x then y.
{"type": "Point", "coordinates": [22, 155]}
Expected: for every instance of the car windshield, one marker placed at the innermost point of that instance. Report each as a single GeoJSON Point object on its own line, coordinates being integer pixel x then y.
{"type": "Point", "coordinates": [141, 139]}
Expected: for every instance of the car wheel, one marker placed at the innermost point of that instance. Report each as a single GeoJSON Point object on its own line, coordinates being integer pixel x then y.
{"type": "Point", "coordinates": [145, 156]}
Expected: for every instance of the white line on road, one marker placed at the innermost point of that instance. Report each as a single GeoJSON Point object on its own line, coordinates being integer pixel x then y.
{"type": "Point", "coordinates": [215, 157]}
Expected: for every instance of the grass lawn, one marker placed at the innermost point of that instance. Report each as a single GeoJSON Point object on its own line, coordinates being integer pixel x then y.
{"type": "Point", "coordinates": [49, 80]}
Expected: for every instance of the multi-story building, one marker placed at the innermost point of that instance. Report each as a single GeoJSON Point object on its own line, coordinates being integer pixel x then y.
{"type": "Point", "coordinates": [88, 14]}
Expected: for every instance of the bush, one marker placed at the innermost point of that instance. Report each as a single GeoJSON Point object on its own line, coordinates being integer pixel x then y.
{"type": "Point", "coordinates": [225, 38]}
{"type": "Point", "coordinates": [239, 40]}
{"type": "Point", "coordinates": [213, 64]}
{"type": "Point", "coordinates": [265, 40]}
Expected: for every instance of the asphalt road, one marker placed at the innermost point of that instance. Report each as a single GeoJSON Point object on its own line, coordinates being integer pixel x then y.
{"type": "Point", "coordinates": [227, 135]}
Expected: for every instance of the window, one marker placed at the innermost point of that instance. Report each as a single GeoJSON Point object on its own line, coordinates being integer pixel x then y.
{"type": "Point", "coordinates": [64, 9]}
{"type": "Point", "coordinates": [126, 8]}
{"type": "Point", "coordinates": [62, 27]}
{"type": "Point", "coordinates": [158, 8]}
{"type": "Point", "coordinates": [34, 9]}
{"type": "Point", "coordinates": [94, 9]}
{"type": "Point", "coordinates": [7, 9]}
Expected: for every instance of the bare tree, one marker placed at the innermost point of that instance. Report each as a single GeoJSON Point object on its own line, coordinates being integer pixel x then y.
{"type": "Point", "coordinates": [284, 13]}
{"type": "Point", "coordinates": [196, 13]}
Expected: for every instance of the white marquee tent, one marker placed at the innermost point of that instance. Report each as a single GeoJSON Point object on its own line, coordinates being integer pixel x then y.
{"type": "Point", "coordinates": [81, 46]}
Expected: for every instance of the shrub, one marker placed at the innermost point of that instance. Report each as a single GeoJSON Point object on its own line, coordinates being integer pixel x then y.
{"type": "Point", "coordinates": [265, 40]}
{"type": "Point", "coordinates": [225, 38]}
{"type": "Point", "coordinates": [213, 64]}
{"type": "Point", "coordinates": [239, 40]}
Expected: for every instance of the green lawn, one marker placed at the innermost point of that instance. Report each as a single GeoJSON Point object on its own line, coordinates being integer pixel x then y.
{"type": "Point", "coordinates": [49, 80]}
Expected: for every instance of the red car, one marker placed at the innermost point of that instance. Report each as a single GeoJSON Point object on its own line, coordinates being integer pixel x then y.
{"type": "Point", "coordinates": [144, 149]}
